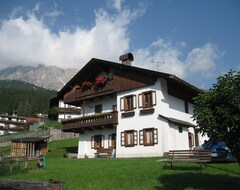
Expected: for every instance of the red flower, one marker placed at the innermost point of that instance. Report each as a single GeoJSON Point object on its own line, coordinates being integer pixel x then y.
{"type": "Point", "coordinates": [100, 81]}
{"type": "Point", "coordinates": [87, 83]}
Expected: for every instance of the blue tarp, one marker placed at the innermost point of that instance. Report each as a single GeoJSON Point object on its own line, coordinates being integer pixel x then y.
{"type": "Point", "coordinates": [220, 151]}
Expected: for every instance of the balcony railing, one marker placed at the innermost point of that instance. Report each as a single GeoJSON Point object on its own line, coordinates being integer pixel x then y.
{"type": "Point", "coordinates": [69, 110]}
{"type": "Point", "coordinates": [93, 91]}
{"type": "Point", "coordinates": [90, 122]}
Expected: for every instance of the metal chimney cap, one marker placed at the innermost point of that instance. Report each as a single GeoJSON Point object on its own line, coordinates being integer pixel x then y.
{"type": "Point", "coordinates": [127, 56]}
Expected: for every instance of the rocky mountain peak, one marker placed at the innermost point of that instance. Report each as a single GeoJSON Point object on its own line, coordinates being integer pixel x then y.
{"type": "Point", "coordinates": [49, 77]}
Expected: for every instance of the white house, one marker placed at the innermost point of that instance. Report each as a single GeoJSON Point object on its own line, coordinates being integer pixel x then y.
{"type": "Point", "coordinates": [133, 111]}
{"type": "Point", "coordinates": [66, 111]}
{"type": "Point", "coordinates": [12, 124]}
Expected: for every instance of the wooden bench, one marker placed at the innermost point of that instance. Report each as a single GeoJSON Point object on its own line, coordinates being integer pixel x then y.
{"type": "Point", "coordinates": [104, 153]}
{"type": "Point", "coordinates": [195, 156]}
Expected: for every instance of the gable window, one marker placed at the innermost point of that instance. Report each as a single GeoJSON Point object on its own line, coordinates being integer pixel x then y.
{"type": "Point", "coordinates": [97, 142]}
{"type": "Point", "coordinates": [148, 137]}
{"type": "Point", "coordinates": [147, 99]}
{"type": "Point", "coordinates": [98, 108]}
{"type": "Point", "coordinates": [128, 103]}
{"type": "Point", "coordinates": [129, 138]}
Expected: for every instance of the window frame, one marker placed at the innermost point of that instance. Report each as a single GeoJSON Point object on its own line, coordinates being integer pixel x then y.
{"type": "Point", "coordinates": [124, 103]}
{"type": "Point", "coordinates": [143, 136]}
{"type": "Point", "coordinates": [94, 140]}
{"type": "Point", "coordinates": [124, 138]}
{"type": "Point", "coordinates": [142, 99]}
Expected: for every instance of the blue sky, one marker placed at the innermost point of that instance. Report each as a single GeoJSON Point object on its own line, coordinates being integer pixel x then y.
{"type": "Point", "coordinates": [197, 40]}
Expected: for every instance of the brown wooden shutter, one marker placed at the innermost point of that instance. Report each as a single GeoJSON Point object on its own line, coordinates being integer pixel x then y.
{"type": "Point", "coordinates": [154, 98]}
{"type": "Point", "coordinates": [141, 137]}
{"type": "Point", "coordinates": [140, 100]}
{"type": "Point", "coordinates": [122, 138]}
{"type": "Point", "coordinates": [155, 135]}
{"type": "Point", "coordinates": [126, 106]}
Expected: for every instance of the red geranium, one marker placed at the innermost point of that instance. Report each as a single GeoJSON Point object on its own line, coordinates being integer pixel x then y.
{"type": "Point", "coordinates": [87, 83]}
{"type": "Point", "coordinates": [100, 81]}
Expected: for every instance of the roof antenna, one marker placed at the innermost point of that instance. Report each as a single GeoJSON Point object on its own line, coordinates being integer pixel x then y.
{"type": "Point", "coordinates": [157, 62]}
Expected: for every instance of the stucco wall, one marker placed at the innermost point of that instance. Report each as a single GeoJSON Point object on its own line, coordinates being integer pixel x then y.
{"type": "Point", "coordinates": [84, 145]}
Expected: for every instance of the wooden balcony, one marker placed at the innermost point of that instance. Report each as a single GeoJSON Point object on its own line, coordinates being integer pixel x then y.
{"type": "Point", "coordinates": [93, 92]}
{"type": "Point", "coordinates": [96, 121]}
{"type": "Point", "coordinates": [69, 110]}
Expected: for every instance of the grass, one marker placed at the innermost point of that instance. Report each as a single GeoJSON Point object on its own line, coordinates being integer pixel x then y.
{"type": "Point", "coordinates": [54, 124]}
{"type": "Point", "coordinates": [135, 173]}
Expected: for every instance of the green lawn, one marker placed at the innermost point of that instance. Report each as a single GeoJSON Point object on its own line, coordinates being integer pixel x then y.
{"type": "Point", "coordinates": [136, 173]}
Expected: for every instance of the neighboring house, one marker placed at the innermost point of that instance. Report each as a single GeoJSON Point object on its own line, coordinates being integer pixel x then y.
{"type": "Point", "coordinates": [12, 124]}
{"type": "Point", "coordinates": [66, 111]}
{"type": "Point", "coordinates": [134, 111]}
{"type": "Point", "coordinates": [62, 110]}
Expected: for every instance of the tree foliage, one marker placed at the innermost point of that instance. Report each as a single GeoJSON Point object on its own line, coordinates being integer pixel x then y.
{"type": "Point", "coordinates": [217, 112]}
{"type": "Point", "coordinates": [23, 98]}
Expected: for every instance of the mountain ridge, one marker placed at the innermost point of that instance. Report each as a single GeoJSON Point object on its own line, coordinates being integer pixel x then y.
{"type": "Point", "coordinates": [48, 77]}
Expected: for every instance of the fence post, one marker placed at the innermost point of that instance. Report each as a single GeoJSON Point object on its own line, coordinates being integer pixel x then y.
{"type": "Point", "coordinates": [11, 167]}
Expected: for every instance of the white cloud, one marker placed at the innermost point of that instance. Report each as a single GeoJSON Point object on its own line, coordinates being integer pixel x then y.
{"type": "Point", "coordinates": [32, 42]}
{"type": "Point", "coordinates": [115, 4]}
{"type": "Point", "coordinates": [28, 41]}
{"type": "Point", "coordinates": [55, 12]}
{"type": "Point", "coordinates": [202, 59]}
{"type": "Point", "coordinates": [163, 56]}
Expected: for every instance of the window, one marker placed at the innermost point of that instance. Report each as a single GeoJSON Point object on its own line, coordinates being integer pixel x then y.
{"type": "Point", "coordinates": [147, 99]}
{"type": "Point", "coordinates": [128, 103]}
{"type": "Point", "coordinates": [148, 137]}
{"type": "Point", "coordinates": [129, 138]}
{"type": "Point", "coordinates": [180, 129]}
{"type": "Point", "coordinates": [97, 141]}
{"type": "Point", "coordinates": [112, 140]}
{"type": "Point", "coordinates": [98, 108]}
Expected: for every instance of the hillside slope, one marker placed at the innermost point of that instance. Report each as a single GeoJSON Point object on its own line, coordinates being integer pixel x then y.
{"type": "Point", "coordinates": [23, 98]}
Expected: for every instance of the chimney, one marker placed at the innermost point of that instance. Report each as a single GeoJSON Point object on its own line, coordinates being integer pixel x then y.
{"type": "Point", "coordinates": [126, 59]}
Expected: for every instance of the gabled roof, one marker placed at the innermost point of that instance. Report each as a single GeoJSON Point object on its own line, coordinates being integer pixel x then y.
{"type": "Point", "coordinates": [94, 65]}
